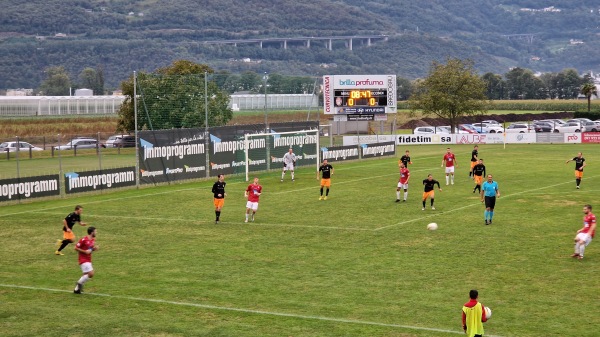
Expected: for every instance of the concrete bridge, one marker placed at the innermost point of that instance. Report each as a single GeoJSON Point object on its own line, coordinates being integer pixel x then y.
{"type": "Point", "coordinates": [307, 41]}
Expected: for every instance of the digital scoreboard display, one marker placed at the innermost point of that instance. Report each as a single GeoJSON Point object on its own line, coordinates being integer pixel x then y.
{"type": "Point", "coordinates": [359, 94]}
{"type": "Point", "coordinates": [363, 98]}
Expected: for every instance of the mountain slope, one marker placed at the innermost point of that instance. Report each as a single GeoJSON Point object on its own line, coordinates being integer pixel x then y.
{"type": "Point", "coordinates": [128, 35]}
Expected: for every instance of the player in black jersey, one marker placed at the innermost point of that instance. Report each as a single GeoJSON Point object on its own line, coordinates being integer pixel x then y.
{"type": "Point", "coordinates": [579, 165]}
{"type": "Point", "coordinates": [405, 159]}
{"type": "Point", "coordinates": [327, 170]}
{"type": "Point", "coordinates": [428, 191]}
{"type": "Point", "coordinates": [474, 158]}
{"type": "Point", "coordinates": [68, 223]}
{"type": "Point", "coordinates": [218, 190]}
{"type": "Point", "coordinates": [478, 174]}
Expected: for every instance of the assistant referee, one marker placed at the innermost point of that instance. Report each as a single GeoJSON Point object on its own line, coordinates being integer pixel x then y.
{"type": "Point", "coordinates": [489, 192]}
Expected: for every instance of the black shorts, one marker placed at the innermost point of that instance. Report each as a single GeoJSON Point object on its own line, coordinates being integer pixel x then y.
{"type": "Point", "coordinates": [490, 202]}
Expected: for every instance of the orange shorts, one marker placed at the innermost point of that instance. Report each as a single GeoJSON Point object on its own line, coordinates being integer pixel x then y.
{"type": "Point", "coordinates": [578, 174]}
{"type": "Point", "coordinates": [219, 202]}
{"type": "Point", "coordinates": [473, 163]}
{"type": "Point", "coordinates": [478, 180]}
{"type": "Point", "coordinates": [69, 235]}
{"type": "Point", "coordinates": [430, 194]}
{"type": "Point", "coordinates": [326, 182]}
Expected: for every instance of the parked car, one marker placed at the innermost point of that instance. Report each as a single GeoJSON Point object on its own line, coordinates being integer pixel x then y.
{"type": "Point", "coordinates": [543, 127]}
{"type": "Point", "coordinates": [80, 143]}
{"type": "Point", "coordinates": [518, 128]}
{"type": "Point", "coordinates": [490, 121]}
{"type": "Point", "coordinates": [488, 128]}
{"type": "Point", "coordinates": [110, 141]}
{"type": "Point", "coordinates": [126, 141]}
{"type": "Point", "coordinates": [448, 129]}
{"type": "Point", "coordinates": [468, 128]}
{"type": "Point", "coordinates": [568, 127]}
{"type": "Point", "coordinates": [430, 130]}
{"type": "Point", "coordinates": [21, 146]}
{"type": "Point", "coordinates": [579, 120]}
{"type": "Point", "coordinates": [589, 127]}
{"type": "Point", "coordinates": [554, 121]}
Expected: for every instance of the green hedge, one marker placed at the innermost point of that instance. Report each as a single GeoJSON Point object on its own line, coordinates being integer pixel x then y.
{"type": "Point", "coordinates": [593, 115]}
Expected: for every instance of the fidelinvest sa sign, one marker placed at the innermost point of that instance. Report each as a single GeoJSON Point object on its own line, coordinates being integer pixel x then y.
{"type": "Point", "coordinates": [426, 139]}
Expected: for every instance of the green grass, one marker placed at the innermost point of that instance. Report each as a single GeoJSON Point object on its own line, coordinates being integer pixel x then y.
{"type": "Point", "coordinates": [358, 264]}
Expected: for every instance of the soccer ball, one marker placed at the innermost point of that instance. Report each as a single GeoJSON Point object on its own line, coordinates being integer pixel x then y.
{"type": "Point", "coordinates": [488, 312]}
{"type": "Point", "coordinates": [432, 226]}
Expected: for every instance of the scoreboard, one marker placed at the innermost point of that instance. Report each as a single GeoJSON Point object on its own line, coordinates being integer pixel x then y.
{"type": "Point", "coordinates": [359, 94]}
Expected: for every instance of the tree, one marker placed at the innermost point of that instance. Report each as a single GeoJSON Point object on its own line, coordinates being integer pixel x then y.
{"type": "Point", "coordinates": [495, 86]}
{"type": "Point", "coordinates": [99, 88]}
{"type": "Point", "coordinates": [403, 88]}
{"type": "Point", "coordinates": [251, 81]}
{"type": "Point", "coordinates": [174, 97]}
{"type": "Point", "coordinates": [570, 83]}
{"type": "Point", "coordinates": [88, 78]}
{"type": "Point", "coordinates": [589, 89]}
{"type": "Point", "coordinates": [449, 91]}
{"type": "Point", "coordinates": [522, 84]}
{"type": "Point", "coordinates": [57, 82]}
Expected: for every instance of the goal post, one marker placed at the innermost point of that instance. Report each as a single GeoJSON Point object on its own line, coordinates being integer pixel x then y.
{"type": "Point", "coordinates": [264, 151]}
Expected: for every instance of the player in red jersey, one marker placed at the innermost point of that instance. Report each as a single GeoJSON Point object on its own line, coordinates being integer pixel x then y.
{"type": "Point", "coordinates": [586, 234]}
{"type": "Point", "coordinates": [253, 193]}
{"type": "Point", "coordinates": [449, 161]}
{"type": "Point", "coordinates": [403, 182]}
{"type": "Point", "coordinates": [85, 247]}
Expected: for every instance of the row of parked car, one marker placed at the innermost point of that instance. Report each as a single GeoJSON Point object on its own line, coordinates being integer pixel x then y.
{"type": "Point", "coordinates": [79, 143]}
{"type": "Point", "coordinates": [492, 126]}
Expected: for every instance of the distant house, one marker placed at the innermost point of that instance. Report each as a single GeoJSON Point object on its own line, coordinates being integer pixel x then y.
{"type": "Point", "coordinates": [60, 35]}
{"type": "Point", "coordinates": [574, 41]}
{"type": "Point", "coordinates": [19, 92]}
{"type": "Point", "coordinates": [84, 92]}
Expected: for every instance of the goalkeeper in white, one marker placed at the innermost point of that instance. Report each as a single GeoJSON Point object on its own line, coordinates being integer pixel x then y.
{"type": "Point", "coordinates": [289, 162]}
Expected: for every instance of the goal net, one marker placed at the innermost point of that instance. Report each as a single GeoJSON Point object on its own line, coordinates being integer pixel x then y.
{"type": "Point", "coordinates": [264, 151]}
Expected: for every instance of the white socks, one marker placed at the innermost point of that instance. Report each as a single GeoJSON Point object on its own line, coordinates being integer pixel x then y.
{"type": "Point", "coordinates": [292, 175]}
{"type": "Point", "coordinates": [447, 180]}
{"type": "Point", "coordinates": [83, 279]}
{"type": "Point", "coordinates": [397, 194]}
{"type": "Point", "coordinates": [581, 249]}
{"type": "Point", "coordinates": [405, 195]}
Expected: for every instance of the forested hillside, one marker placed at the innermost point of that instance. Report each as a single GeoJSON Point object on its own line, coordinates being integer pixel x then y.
{"type": "Point", "coordinates": [126, 35]}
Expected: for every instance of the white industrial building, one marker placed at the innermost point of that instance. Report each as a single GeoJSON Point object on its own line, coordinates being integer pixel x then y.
{"type": "Point", "coordinates": [24, 106]}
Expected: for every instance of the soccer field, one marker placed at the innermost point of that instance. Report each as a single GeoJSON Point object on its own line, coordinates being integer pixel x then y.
{"type": "Point", "coordinates": [357, 264]}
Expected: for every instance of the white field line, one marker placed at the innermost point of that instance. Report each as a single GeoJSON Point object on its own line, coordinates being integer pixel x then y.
{"type": "Point", "coordinates": [248, 311]}
{"type": "Point", "coordinates": [502, 197]}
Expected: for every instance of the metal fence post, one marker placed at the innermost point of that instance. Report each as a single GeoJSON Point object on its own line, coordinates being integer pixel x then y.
{"type": "Point", "coordinates": [60, 172]}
